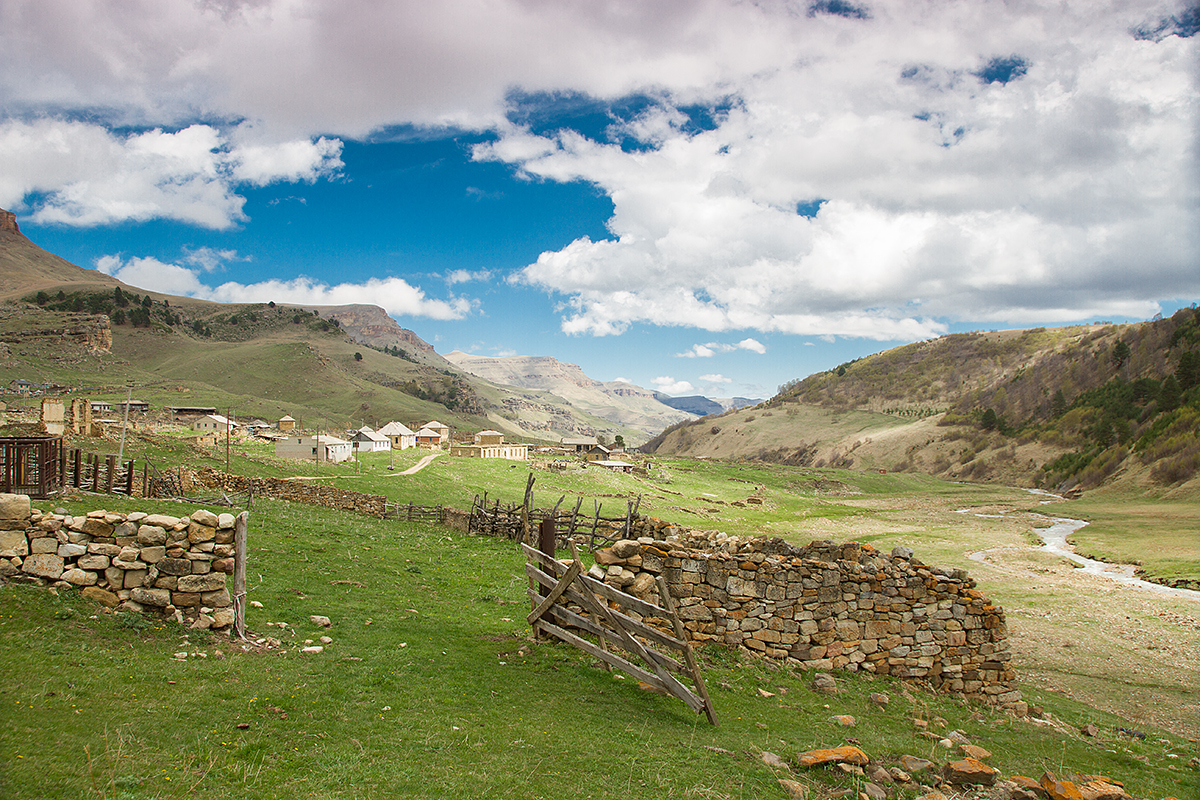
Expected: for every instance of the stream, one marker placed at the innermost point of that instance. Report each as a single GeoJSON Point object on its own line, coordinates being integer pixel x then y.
{"type": "Point", "coordinates": [1054, 540]}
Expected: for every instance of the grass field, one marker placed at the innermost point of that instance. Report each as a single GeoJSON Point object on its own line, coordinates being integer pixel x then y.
{"type": "Point", "coordinates": [431, 688]}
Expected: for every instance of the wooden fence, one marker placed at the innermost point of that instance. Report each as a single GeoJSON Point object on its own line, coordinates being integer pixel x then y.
{"type": "Point", "coordinates": [30, 465]}
{"type": "Point", "coordinates": [567, 604]}
{"type": "Point", "coordinates": [103, 474]}
{"type": "Point", "coordinates": [517, 520]}
{"type": "Point", "coordinates": [415, 513]}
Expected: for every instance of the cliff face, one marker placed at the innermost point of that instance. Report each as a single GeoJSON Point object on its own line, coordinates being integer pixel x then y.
{"type": "Point", "coordinates": [8, 222]}
{"type": "Point", "coordinates": [372, 326]}
{"type": "Point", "coordinates": [66, 335]}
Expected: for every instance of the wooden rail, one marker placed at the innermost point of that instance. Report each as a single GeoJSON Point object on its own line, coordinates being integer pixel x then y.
{"type": "Point", "coordinates": [565, 600]}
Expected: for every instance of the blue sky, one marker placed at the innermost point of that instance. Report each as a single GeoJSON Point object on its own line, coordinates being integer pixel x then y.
{"type": "Point", "coordinates": [701, 197]}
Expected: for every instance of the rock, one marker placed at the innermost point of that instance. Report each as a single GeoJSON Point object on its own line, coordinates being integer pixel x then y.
{"type": "Point", "coordinates": [836, 755]}
{"type": "Point", "coordinates": [843, 720]}
{"type": "Point", "coordinates": [210, 582]}
{"type": "Point", "coordinates": [43, 565]}
{"type": "Point", "coordinates": [317, 619]}
{"type": "Point", "coordinates": [914, 765]}
{"type": "Point", "coordinates": [15, 506]}
{"type": "Point", "coordinates": [607, 557]}
{"type": "Point", "coordinates": [225, 520]}
{"type": "Point", "coordinates": [775, 762]}
{"type": "Point", "coordinates": [974, 751]}
{"type": "Point", "coordinates": [899, 775]}
{"type": "Point", "coordinates": [223, 617]}
{"type": "Point", "coordinates": [969, 771]}
{"type": "Point", "coordinates": [794, 789]}
{"type": "Point", "coordinates": [1102, 789]}
{"type": "Point", "coordinates": [205, 518]}
{"type": "Point", "coordinates": [13, 544]}
{"type": "Point", "coordinates": [1091, 729]}
{"type": "Point", "coordinates": [958, 737]}
{"type": "Point", "coordinates": [312, 650]}
{"type": "Point", "coordinates": [80, 577]}
{"type": "Point", "coordinates": [198, 533]}
{"type": "Point", "coordinates": [878, 699]}
{"type": "Point", "coordinates": [880, 776]}
{"type": "Point", "coordinates": [874, 791]}
{"type": "Point", "coordinates": [1026, 788]}
{"type": "Point", "coordinates": [642, 584]}
{"type": "Point", "coordinates": [824, 683]}
{"type": "Point", "coordinates": [159, 598]}
{"type": "Point", "coordinates": [151, 535]}
{"type": "Point", "coordinates": [903, 552]}
{"type": "Point", "coordinates": [1058, 789]}
{"type": "Point", "coordinates": [626, 548]}
{"type": "Point", "coordinates": [98, 595]}
{"type": "Point", "coordinates": [932, 794]}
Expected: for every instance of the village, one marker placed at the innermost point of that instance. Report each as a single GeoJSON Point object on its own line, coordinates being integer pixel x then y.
{"type": "Point", "coordinates": [205, 427]}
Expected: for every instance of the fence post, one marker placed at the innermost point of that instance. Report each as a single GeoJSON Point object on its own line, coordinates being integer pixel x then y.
{"type": "Point", "coordinates": [239, 574]}
{"type": "Point", "coordinates": [110, 464]}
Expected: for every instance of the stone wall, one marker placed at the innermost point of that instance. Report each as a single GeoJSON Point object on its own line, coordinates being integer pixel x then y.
{"type": "Point", "coordinates": [828, 606]}
{"type": "Point", "coordinates": [297, 491]}
{"type": "Point", "coordinates": [139, 562]}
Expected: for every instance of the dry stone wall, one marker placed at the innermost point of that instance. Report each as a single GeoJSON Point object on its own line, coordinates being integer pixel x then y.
{"type": "Point", "coordinates": [297, 491]}
{"type": "Point", "coordinates": [177, 566]}
{"type": "Point", "coordinates": [828, 606]}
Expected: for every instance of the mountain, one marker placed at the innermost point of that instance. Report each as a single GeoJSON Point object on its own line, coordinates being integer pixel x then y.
{"type": "Point", "coordinates": [621, 403]}
{"type": "Point", "coordinates": [25, 267]}
{"type": "Point", "coordinates": [703, 406]}
{"type": "Point", "coordinates": [1063, 408]}
{"type": "Point", "coordinates": [334, 367]}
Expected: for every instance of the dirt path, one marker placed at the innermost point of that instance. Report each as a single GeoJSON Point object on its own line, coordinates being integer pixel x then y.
{"type": "Point", "coordinates": [420, 465]}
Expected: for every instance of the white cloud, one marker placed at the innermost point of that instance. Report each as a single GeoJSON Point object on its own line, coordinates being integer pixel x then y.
{"type": "Point", "coordinates": [467, 276]}
{"type": "Point", "coordinates": [1067, 193]}
{"type": "Point", "coordinates": [82, 174]}
{"type": "Point", "coordinates": [668, 385]}
{"type": "Point", "coordinates": [712, 348]}
{"type": "Point", "coordinates": [622, 380]}
{"type": "Point", "coordinates": [715, 378]}
{"type": "Point", "coordinates": [209, 259]}
{"type": "Point", "coordinates": [394, 295]}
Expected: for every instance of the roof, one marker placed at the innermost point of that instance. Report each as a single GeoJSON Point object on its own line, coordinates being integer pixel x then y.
{"type": "Point", "coordinates": [395, 429]}
{"type": "Point", "coordinates": [370, 435]}
{"type": "Point", "coordinates": [489, 433]}
{"type": "Point", "coordinates": [582, 440]}
{"type": "Point", "coordinates": [220, 420]}
{"type": "Point", "coordinates": [427, 431]}
{"type": "Point", "coordinates": [286, 416]}
{"type": "Point", "coordinates": [435, 424]}
{"type": "Point", "coordinates": [324, 438]}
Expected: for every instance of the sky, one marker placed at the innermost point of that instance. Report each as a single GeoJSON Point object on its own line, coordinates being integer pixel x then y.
{"type": "Point", "coordinates": [697, 196]}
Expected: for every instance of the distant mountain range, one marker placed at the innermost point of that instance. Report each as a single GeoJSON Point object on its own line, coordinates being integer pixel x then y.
{"type": "Point", "coordinates": [703, 406]}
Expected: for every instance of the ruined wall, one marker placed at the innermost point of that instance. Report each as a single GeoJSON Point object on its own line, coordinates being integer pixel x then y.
{"type": "Point", "coordinates": [829, 606]}
{"type": "Point", "coordinates": [137, 561]}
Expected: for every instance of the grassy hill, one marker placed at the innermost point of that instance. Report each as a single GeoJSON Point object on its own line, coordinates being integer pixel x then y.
{"type": "Point", "coordinates": [71, 327]}
{"type": "Point", "coordinates": [1069, 408]}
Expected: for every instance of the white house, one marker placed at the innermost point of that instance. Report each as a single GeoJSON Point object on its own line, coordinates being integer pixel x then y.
{"type": "Point", "coordinates": [428, 437]}
{"type": "Point", "coordinates": [366, 440]}
{"type": "Point", "coordinates": [490, 444]}
{"type": "Point", "coordinates": [401, 435]}
{"type": "Point", "coordinates": [214, 422]}
{"type": "Point", "coordinates": [317, 448]}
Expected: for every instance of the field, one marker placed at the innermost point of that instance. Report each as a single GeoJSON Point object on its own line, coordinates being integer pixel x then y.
{"type": "Point", "coordinates": [432, 687]}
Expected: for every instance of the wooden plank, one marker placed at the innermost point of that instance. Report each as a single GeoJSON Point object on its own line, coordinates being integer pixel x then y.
{"type": "Point", "coordinates": [641, 628]}
{"type": "Point", "coordinates": [689, 657]}
{"type": "Point", "coordinates": [240, 526]}
{"type": "Point", "coordinates": [674, 687]}
{"type": "Point", "coordinates": [555, 592]}
{"type": "Point", "coordinates": [566, 616]}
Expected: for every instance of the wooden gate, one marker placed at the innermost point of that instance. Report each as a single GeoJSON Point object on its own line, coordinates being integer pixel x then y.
{"type": "Point", "coordinates": [623, 641]}
{"type": "Point", "coordinates": [29, 465]}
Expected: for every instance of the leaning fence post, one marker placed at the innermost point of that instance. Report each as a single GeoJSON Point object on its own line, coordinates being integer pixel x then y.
{"type": "Point", "coordinates": [239, 574]}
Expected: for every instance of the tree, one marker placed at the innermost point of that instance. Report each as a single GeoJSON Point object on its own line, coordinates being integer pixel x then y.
{"type": "Point", "coordinates": [358, 356]}
{"type": "Point", "coordinates": [42, 298]}
{"type": "Point", "coordinates": [988, 421]}
{"type": "Point", "coordinates": [619, 440]}
{"type": "Point", "coordinates": [118, 317]}
{"type": "Point", "coordinates": [1121, 353]}
{"type": "Point", "coordinates": [1188, 373]}
{"type": "Point", "coordinates": [147, 302]}
{"type": "Point", "coordinates": [1169, 395]}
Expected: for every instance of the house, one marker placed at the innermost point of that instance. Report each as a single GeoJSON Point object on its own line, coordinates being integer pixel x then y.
{"type": "Point", "coordinates": [131, 407]}
{"type": "Point", "coordinates": [427, 437]}
{"type": "Point", "coordinates": [490, 444]}
{"type": "Point", "coordinates": [318, 448]}
{"type": "Point", "coordinates": [101, 407]}
{"type": "Point", "coordinates": [286, 423]}
{"type": "Point", "coordinates": [189, 413]}
{"type": "Point", "coordinates": [615, 466]}
{"type": "Point", "coordinates": [401, 436]}
{"type": "Point", "coordinates": [443, 431]}
{"type": "Point", "coordinates": [365, 440]}
{"type": "Point", "coordinates": [214, 422]}
{"type": "Point", "coordinates": [579, 444]}
{"type": "Point", "coordinates": [596, 453]}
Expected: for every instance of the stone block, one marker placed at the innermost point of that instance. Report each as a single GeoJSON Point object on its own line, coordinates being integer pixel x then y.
{"type": "Point", "coordinates": [72, 550]}
{"type": "Point", "coordinates": [43, 565]}
{"type": "Point", "coordinates": [211, 582]}
{"type": "Point", "coordinates": [159, 598]}
{"type": "Point", "coordinates": [174, 566]}
{"type": "Point", "coordinates": [15, 506]}
{"type": "Point", "coordinates": [217, 599]}
{"type": "Point", "coordinates": [134, 578]}
{"type": "Point", "coordinates": [91, 561]}
{"type": "Point", "coordinates": [151, 535]}
{"type": "Point", "coordinates": [206, 518]}
{"type": "Point", "coordinates": [153, 555]}
{"type": "Point", "coordinates": [80, 577]}
{"type": "Point", "coordinates": [201, 533]}
{"type": "Point", "coordinates": [13, 544]}
{"type": "Point", "coordinates": [43, 545]}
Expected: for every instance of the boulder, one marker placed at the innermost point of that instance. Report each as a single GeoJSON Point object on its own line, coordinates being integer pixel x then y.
{"type": "Point", "coordinates": [101, 596]}
{"type": "Point", "coordinates": [969, 771]}
{"type": "Point", "coordinates": [43, 565]}
{"type": "Point", "coordinates": [14, 506]}
{"type": "Point", "coordinates": [846, 754]}
{"type": "Point", "coordinates": [1059, 789]}
{"type": "Point", "coordinates": [159, 598]}
{"type": "Point", "coordinates": [13, 544]}
{"type": "Point", "coordinates": [205, 518]}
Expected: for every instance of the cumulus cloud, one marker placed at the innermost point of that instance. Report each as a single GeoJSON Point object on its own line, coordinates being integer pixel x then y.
{"type": "Point", "coordinates": [715, 378]}
{"type": "Point", "coordinates": [817, 168]}
{"type": "Point", "coordinates": [394, 295]}
{"type": "Point", "coordinates": [83, 174]}
{"type": "Point", "coordinates": [668, 385]}
{"type": "Point", "coordinates": [467, 276]}
{"type": "Point", "coordinates": [712, 348]}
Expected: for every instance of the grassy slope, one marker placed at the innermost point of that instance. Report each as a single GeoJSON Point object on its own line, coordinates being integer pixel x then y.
{"type": "Point", "coordinates": [425, 692]}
